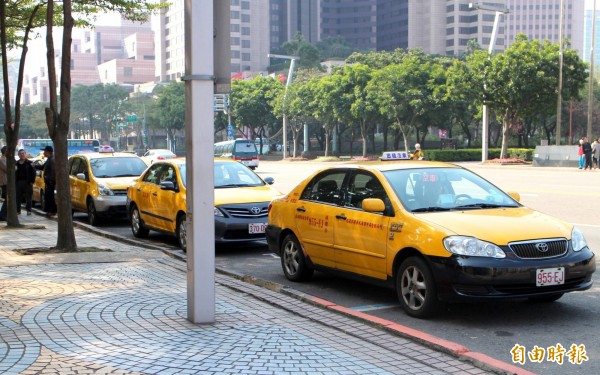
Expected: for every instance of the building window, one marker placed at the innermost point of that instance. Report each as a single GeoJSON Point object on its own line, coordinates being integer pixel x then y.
{"type": "Point", "coordinates": [235, 54]}
{"type": "Point", "coordinates": [235, 15]}
{"type": "Point", "coordinates": [245, 57]}
{"type": "Point", "coordinates": [128, 71]}
{"type": "Point", "coordinates": [235, 41]}
{"type": "Point", "coordinates": [235, 28]}
{"type": "Point", "coordinates": [245, 5]}
{"type": "Point", "coordinates": [245, 44]}
{"type": "Point", "coordinates": [245, 31]}
{"type": "Point", "coordinates": [246, 18]}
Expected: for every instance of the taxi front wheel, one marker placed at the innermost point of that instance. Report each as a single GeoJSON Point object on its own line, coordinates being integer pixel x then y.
{"type": "Point", "coordinates": [293, 261]}
{"type": "Point", "coordinates": [181, 232]}
{"type": "Point", "coordinates": [416, 289]}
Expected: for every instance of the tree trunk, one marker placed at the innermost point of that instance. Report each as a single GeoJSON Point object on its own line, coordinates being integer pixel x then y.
{"type": "Point", "coordinates": [504, 148]}
{"type": "Point", "coordinates": [327, 129]}
{"type": "Point", "coordinates": [58, 124]}
{"type": "Point", "coordinates": [363, 135]}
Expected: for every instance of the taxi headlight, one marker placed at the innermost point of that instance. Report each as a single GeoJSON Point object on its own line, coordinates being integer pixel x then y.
{"type": "Point", "coordinates": [577, 240]}
{"type": "Point", "coordinates": [104, 190]}
{"type": "Point", "coordinates": [218, 212]}
{"type": "Point", "coordinates": [472, 246]}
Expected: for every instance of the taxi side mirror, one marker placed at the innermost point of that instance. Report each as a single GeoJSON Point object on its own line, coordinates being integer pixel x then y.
{"type": "Point", "coordinates": [81, 176]}
{"type": "Point", "coordinates": [373, 205]}
{"type": "Point", "coordinates": [269, 180]}
{"type": "Point", "coordinates": [167, 185]}
{"type": "Point", "coordinates": [514, 195]}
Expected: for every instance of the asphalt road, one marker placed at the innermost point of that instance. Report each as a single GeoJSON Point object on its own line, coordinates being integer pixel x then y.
{"type": "Point", "coordinates": [491, 328]}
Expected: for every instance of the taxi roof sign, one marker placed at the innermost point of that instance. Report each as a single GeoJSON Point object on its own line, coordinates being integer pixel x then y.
{"type": "Point", "coordinates": [395, 155]}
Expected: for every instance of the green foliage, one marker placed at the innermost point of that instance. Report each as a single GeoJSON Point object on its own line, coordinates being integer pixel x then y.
{"type": "Point", "coordinates": [474, 154]}
{"type": "Point", "coordinates": [310, 57]}
{"type": "Point", "coordinates": [170, 106]}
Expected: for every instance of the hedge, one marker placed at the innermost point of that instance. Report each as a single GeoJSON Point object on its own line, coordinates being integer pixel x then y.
{"type": "Point", "coordinates": [473, 154]}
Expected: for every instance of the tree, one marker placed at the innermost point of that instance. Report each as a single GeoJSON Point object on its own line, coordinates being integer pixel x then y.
{"type": "Point", "coordinates": [310, 57]}
{"type": "Point", "coordinates": [523, 79]}
{"type": "Point", "coordinates": [334, 48]}
{"type": "Point", "coordinates": [98, 104]}
{"type": "Point", "coordinates": [17, 19]}
{"type": "Point", "coordinates": [171, 108]}
{"type": "Point", "coordinates": [58, 118]}
{"type": "Point", "coordinates": [33, 121]}
{"type": "Point", "coordinates": [252, 105]}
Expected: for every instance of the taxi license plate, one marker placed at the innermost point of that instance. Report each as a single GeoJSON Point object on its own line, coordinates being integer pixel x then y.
{"type": "Point", "coordinates": [254, 228]}
{"type": "Point", "coordinates": [550, 276]}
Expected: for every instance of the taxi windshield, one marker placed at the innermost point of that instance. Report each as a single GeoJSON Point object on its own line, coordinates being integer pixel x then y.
{"type": "Point", "coordinates": [445, 189]}
{"type": "Point", "coordinates": [117, 167]}
{"type": "Point", "coordinates": [231, 175]}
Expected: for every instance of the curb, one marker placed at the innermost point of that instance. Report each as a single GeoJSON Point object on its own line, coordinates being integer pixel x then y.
{"type": "Point", "coordinates": [459, 351]}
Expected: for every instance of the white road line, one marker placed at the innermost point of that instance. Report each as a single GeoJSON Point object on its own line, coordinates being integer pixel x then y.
{"type": "Point", "coordinates": [586, 225]}
{"type": "Point", "coordinates": [378, 306]}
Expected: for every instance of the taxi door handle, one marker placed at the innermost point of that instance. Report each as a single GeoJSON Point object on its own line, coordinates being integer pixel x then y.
{"type": "Point", "coordinates": [155, 194]}
{"type": "Point", "coordinates": [301, 209]}
{"type": "Point", "coordinates": [139, 189]}
{"type": "Point", "coordinates": [342, 216]}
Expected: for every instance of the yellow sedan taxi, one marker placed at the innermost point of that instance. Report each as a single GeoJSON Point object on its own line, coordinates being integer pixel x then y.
{"type": "Point", "coordinates": [99, 181]}
{"type": "Point", "coordinates": [157, 201]}
{"type": "Point", "coordinates": [432, 231]}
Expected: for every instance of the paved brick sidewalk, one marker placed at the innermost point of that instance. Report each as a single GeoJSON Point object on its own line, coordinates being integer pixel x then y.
{"type": "Point", "coordinates": [124, 312]}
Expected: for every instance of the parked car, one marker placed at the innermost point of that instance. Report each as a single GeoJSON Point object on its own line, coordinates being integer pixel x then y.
{"type": "Point", "coordinates": [99, 182]}
{"type": "Point", "coordinates": [157, 201]}
{"type": "Point", "coordinates": [153, 155]}
{"type": "Point", "coordinates": [432, 231]}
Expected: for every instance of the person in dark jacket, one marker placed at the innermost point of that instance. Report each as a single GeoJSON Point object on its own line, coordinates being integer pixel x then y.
{"type": "Point", "coordinates": [49, 180]}
{"type": "Point", "coordinates": [587, 153]}
{"type": "Point", "coordinates": [24, 177]}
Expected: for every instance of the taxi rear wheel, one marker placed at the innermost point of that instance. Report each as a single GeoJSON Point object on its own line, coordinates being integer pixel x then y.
{"type": "Point", "coordinates": [293, 261]}
{"type": "Point", "coordinates": [416, 288]}
{"type": "Point", "coordinates": [92, 213]}
{"type": "Point", "coordinates": [181, 232]}
{"type": "Point", "coordinates": [137, 225]}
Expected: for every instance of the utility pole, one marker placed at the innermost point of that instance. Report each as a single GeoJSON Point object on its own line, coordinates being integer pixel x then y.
{"type": "Point", "coordinates": [560, 75]}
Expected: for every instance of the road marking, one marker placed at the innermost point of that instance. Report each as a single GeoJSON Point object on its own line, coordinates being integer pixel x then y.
{"type": "Point", "coordinates": [377, 306]}
{"type": "Point", "coordinates": [272, 255]}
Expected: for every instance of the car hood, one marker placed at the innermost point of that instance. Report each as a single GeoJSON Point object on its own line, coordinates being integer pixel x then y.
{"type": "Point", "coordinates": [245, 195]}
{"type": "Point", "coordinates": [500, 225]}
{"type": "Point", "coordinates": [117, 183]}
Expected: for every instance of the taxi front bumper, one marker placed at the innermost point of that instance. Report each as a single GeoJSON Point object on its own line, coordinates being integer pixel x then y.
{"type": "Point", "coordinates": [461, 278]}
{"type": "Point", "coordinates": [111, 204]}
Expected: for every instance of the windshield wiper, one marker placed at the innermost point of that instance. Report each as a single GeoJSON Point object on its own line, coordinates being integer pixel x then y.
{"type": "Point", "coordinates": [430, 209]}
{"type": "Point", "coordinates": [231, 185]}
{"type": "Point", "coordinates": [126, 175]}
{"type": "Point", "coordinates": [481, 205]}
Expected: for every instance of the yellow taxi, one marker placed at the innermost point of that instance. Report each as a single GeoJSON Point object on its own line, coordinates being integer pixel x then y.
{"type": "Point", "coordinates": [432, 231]}
{"type": "Point", "coordinates": [99, 180]}
{"type": "Point", "coordinates": [157, 201]}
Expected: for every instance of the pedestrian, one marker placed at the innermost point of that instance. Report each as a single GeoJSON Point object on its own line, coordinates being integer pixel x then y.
{"type": "Point", "coordinates": [24, 177]}
{"type": "Point", "coordinates": [596, 153]}
{"type": "Point", "coordinates": [418, 154]}
{"type": "Point", "coordinates": [3, 178]}
{"type": "Point", "coordinates": [587, 153]}
{"type": "Point", "coordinates": [49, 180]}
{"type": "Point", "coordinates": [580, 153]}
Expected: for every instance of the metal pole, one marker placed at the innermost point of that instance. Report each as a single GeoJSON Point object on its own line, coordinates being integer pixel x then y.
{"type": "Point", "coordinates": [200, 222]}
{"type": "Point", "coordinates": [560, 78]}
{"type": "Point", "coordinates": [591, 82]}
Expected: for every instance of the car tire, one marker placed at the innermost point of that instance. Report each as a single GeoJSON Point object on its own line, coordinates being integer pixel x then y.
{"type": "Point", "coordinates": [182, 232]}
{"type": "Point", "coordinates": [92, 213]}
{"type": "Point", "coordinates": [546, 299]}
{"type": "Point", "coordinates": [293, 260]}
{"type": "Point", "coordinates": [137, 224]}
{"type": "Point", "coordinates": [416, 288]}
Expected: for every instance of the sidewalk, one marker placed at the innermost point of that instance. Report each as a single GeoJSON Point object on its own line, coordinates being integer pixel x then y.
{"type": "Point", "coordinates": [123, 310]}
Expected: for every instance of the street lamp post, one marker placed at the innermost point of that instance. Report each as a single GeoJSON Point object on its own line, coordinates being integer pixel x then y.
{"type": "Point", "coordinates": [560, 75]}
{"type": "Point", "coordinates": [289, 80]}
{"type": "Point", "coordinates": [485, 115]}
{"type": "Point", "coordinates": [591, 79]}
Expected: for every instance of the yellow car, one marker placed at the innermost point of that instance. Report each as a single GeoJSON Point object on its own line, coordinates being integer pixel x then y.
{"type": "Point", "coordinates": [157, 201]}
{"type": "Point", "coordinates": [432, 231]}
{"type": "Point", "coordinates": [99, 181]}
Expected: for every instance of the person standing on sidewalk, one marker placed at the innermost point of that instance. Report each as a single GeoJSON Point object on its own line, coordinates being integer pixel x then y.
{"type": "Point", "coordinates": [25, 177]}
{"type": "Point", "coordinates": [49, 180]}
{"type": "Point", "coordinates": [580, 153]}
{"type": "Point", "coordinates": [3, 178]}
{"type": "Point", "coordinates": [587, 153]}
